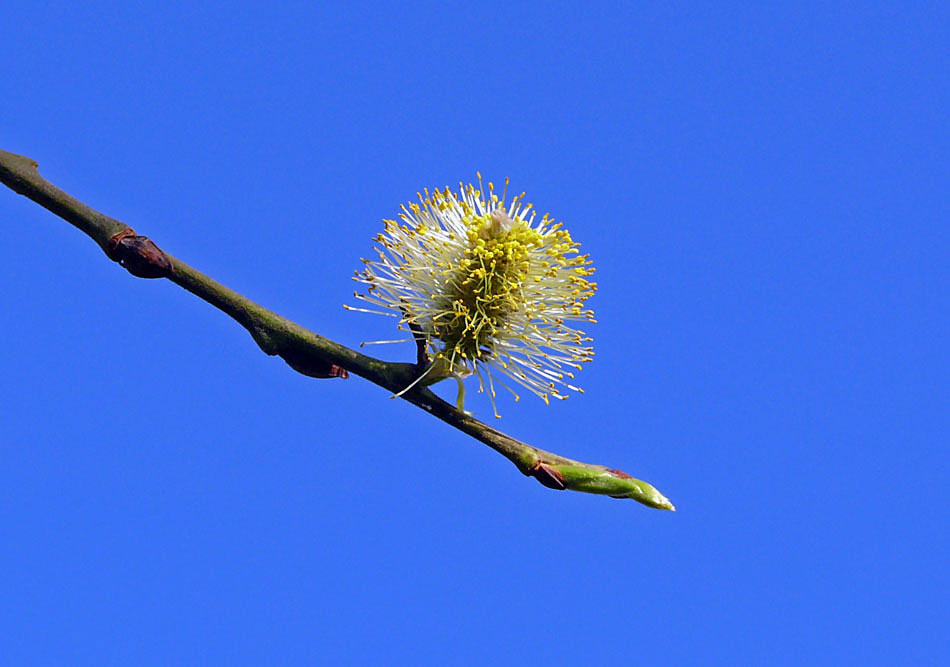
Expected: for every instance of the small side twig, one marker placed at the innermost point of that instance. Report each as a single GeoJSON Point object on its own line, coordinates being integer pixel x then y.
{"type": "Point", "coordinates": [312, 354]}
{"type": "Point", "coordinates": [419, 336]}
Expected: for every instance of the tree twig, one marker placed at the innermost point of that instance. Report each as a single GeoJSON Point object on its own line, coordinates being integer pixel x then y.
{"type": "Point", "coordinates": [307, 352]}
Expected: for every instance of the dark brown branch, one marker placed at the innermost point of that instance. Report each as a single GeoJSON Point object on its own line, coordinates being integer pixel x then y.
{"type": "Point", "coordinates": [308, 352]}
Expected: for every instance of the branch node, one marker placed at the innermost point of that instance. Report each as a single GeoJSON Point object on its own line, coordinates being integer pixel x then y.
{"type": "Point", "coordinates": [263, 338]}
{"type": "Point", "coordinates": [547, 475]}
{"type": "Point", "coordinates": [311, 366]}
{"type": "Point", "coordinates": [139, 255]}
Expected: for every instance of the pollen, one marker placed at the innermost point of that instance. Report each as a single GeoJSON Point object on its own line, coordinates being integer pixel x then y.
{"type": "Point", "coordinates": [489, 286]}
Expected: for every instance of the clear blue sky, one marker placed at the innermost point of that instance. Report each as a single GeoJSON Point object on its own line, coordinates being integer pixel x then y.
{"type": "Point", "coordinates": [763, 190]}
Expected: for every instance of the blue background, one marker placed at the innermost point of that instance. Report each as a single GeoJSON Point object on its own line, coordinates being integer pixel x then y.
{"type": "Point", "coordinates": [763, 189]}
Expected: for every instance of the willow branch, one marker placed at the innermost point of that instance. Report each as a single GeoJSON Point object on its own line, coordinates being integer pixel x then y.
{"type": "Point", "coordinates": [308, 352]}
